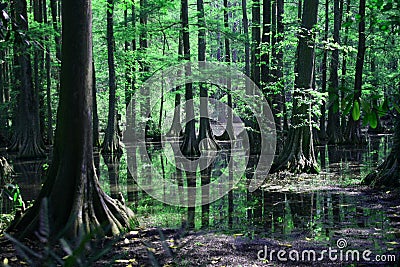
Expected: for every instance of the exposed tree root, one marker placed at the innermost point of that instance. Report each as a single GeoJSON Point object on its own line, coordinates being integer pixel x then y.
{"type": "Point", "coordinates": [111, 146]}
{"type": "Point", "coordinates": [298, 153]}
{"type": "Point", "coordinates": [335, 137]}
{"type": "Point", "coordinates": [387, 174]}
{"type": "Point", "coordinates": [74, 209]}
{"type": "Point", "coordinates": [352, 134]}
{"type": "Point", "coordinates": [206, 139]}
{"type": "Point", "coordinates": [190, 146]}
{"type": "Point", "coordinates": [27, 144]}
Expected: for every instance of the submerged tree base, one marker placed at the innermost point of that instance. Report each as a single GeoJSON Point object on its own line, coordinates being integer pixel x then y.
{"type": "Point", "coordinates": [111, 145]}
{"type": "Point", "coordinates": [296, 163]}
{"type": "Point", "coordinates": [82, 208]}
{"type": "Point", "coordinates": [189, 145]}
{"type": "Point", "coordinates": [352, 134]}
{"type": "Point", "coordinates": [27, 147]}
{"type": "Point", "coordinates": [297, 155]}
{"type": "Point", "coordinates": [335, 137]}
{"type": "Point", "coordinates": [387, 174]}
{"type": "Point", "coordinates": [208, 143]}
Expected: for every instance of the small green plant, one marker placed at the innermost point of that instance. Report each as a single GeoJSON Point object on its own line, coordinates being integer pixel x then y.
{"type": "Point", "coordinates": [12, 192]}
{"type": "Point", "coordinates": [10, 196]}
{"type": "Point", "coordinates": [46, 166]}
{"type": "Point", "coordinates": [58, 251]}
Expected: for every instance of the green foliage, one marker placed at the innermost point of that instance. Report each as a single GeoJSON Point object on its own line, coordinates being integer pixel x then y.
{"type": "Point", "coordinates": [12, 192]}
{"type": "Point", "coordinates": [356, 113]}
{"type": "Point", "coordinates": [162, 30]}
{"type": "Point", "coordinates": [373, 120]}
{"type": "Point", "coordinates": [390, 11]}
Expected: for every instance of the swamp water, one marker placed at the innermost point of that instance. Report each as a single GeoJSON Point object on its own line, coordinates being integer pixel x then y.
{"type": "Point", "coordinates": [317, 208]}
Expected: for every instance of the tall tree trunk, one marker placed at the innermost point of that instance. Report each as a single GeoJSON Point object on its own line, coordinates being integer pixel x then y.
{"type": "Point", "coordinates": [280, 97]}
{"type": "Point", "coordinates": [27, 140]}
{"type": "Point", "coordinates": [255, 36]}
{"type": "Point", "coordinates": [374, 82]}
{"type": "Point", "coordinates": [299, 9]}
{"type": "Point", "coordinates": [322, 121]}
{"type": "Point", "coordinates": [247, 42]}
{"type": "Point", "coordinates": [111, 142]}
{"type": "Point", "coordinates": [255, 69]}
{"type": "Point", "coordinates": [189, 146]}
{"type": "Point", "coordinates": [144, 66]}
{"type": "Point", "coordinates": [280, 31]}
{"type": "Point", "coordinates": [353, 130]}
{"type": "Point", "coordinates": [344, 64]}
{"type": "Point", "coordinates": [55, 19]}
{"type": "Point", "coordinates": [205, 207]}
{"type": "Point", "coordinates": [266, 41]}
{"type": "Point", "coordinates": [3, 115]}
{"type": "Point", "coordinates": [277, 97]}
{"type": "Point", "coordinates": [38, 64]}
{"type": "Point", "coordinates": [273, 42]}
{"type": "Point", "coordinates": [5, 95]}
{"type": "Point", "coordinates": [333, 128]}
{"type": "Point", "coordinates": [8, 78]}
{"type": "Point", "coordinates": [298, 154]}
{"type": "Point", "coordinates": [96, 133]}
{"type": "Point", "coordinates": [71, 194]}
{"type": "Point", "coordinates": [249, 70]}
{"type": "Point", "coordinates": [228, 132]}
{"type": "Point", "coordinates": [176, 128]}
{"type": "Point", "coordinates": [206, 139]}
{"type": "Point", "coordinates": [49, 127]}
{"type": "Point", "coordinates": [128, 64]}
{"type": "Point", "coordinates": [133, 192]}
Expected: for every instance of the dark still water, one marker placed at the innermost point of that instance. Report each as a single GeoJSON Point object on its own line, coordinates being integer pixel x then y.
{"type": "Point", "coordinates": [318, 207]}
